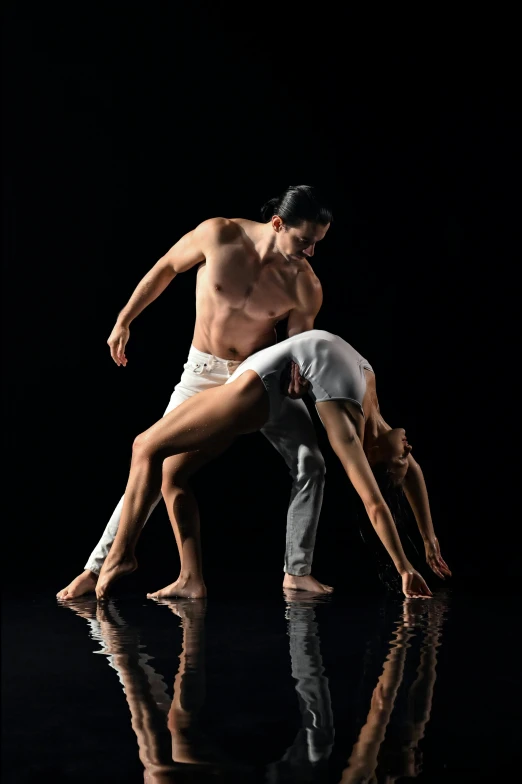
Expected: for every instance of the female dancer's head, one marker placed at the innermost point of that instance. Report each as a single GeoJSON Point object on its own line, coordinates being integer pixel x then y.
{"type": "Point", "coordinates": [391, 450]}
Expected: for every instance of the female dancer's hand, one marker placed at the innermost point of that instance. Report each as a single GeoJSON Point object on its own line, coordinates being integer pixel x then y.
{"type": "Point", "coordinates": [293, 384]}
{"type": "Point", "coordinates": [414, 586]}
{"type": "Point", "coordinates": [435, 560]}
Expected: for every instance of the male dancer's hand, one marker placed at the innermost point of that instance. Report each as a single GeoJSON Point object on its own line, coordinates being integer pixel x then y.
{"type": "Point", "coordinates": [294, 385]}
{"type": "Point", "coordinates": [117, 342]}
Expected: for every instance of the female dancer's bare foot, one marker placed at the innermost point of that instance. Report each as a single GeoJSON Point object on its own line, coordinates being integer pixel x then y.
{"type": "Point", "coordinates": [184, 587]}
{"type": "Point", "coordinates": [84, 583]}
{"type": "Point", "coordinates": [305, 582]}
{"type": "Point", "coordinates": [115, 566]}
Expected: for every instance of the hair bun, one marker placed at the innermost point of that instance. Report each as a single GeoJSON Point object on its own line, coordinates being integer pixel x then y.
{"type": "Point", "coordinates": [269, 209]}
{"type": "Point", "coordinates": [296, 204]}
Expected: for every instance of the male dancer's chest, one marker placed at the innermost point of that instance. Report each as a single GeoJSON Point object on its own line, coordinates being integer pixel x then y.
{"type": "Point", "coordinates": [259, 292]}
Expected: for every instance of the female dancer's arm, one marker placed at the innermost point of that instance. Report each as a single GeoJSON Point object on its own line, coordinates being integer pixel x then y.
{"type": "Point", "coordinates": [417, 495]}
{"type": "Point", "coordinates": [345, 442]}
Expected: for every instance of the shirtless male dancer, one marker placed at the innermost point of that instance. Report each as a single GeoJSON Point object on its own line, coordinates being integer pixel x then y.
{"type": "Point", "coordinates": [251, 275]}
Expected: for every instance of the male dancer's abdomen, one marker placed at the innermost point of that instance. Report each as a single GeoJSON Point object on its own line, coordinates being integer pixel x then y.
{"type": "Point", "coordinates": [229, 334]}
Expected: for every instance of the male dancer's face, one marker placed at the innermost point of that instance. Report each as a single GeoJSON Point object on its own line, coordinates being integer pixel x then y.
{"type": "Point", "coordinates": [298, 242]}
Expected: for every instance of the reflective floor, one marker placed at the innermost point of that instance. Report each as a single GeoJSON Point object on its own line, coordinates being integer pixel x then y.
{"type": "Point", "coordinates": [259, 688]}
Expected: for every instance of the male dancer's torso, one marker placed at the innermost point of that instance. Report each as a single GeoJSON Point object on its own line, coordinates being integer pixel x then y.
{"type": "Point", "coordinates": [239, 296]}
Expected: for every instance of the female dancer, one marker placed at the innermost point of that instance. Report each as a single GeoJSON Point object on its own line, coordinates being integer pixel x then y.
{"type": "Point", "coordinates": [342, 384]}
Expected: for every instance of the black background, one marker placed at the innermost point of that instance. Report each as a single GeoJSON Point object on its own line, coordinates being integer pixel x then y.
{"type": "Point", "coordinates": [124, 127]}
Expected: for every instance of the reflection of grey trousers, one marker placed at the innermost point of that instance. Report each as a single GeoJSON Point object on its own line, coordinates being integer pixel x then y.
{"type": "Point", "coordinates": [291, 433]}
{"type": "Point", "coordinates": [314, 742]}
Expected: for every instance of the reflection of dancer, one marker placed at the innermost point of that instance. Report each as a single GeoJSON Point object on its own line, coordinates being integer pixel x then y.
{"type": "Point", "coordinates": [306, 758]}
{"type": "Point", "coordinates": [342, 384]}
{"type": "Point", "coordinates": [145, 691]}
{"type": "Point", "coordinates": [400, 755]}
{"type": "Point", "coordinates": [369, 750]}
{"type": "Point", "coordinates": [169, 741]}
{"type": "Point", "coordinates": [166, 730]}
{"type": "Point", "coordinates": [189, 683]}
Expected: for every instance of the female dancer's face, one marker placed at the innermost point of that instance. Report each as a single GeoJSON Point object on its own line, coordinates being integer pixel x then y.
{"type": "Point", "coordinates": [395, 451]}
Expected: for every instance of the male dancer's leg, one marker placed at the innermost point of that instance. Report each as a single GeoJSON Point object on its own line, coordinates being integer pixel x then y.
{"type": "Point", "coordinates": [292, 433]}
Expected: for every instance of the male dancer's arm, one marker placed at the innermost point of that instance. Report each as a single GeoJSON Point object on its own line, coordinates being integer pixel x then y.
{"type": "Point", "coordinates": [417, 495]}
{"type": "Point", "coordinates": [184, 255]}
{"type": "Point", "coordinates": [309, 296]}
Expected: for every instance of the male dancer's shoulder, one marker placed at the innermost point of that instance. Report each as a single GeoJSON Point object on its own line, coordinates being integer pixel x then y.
{"type": "Point", "coordinates": [308, 283]}
{"type": "Point", "coordinates": [221, 230]}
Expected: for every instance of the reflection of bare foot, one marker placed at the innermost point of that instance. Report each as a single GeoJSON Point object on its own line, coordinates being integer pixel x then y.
{"type": "Point", "coordinates": [184, 587]}
{"type": "Point", "coordinates": [305, 582]}
{"type": "Point", "coordinates": [186, 609]}
{"type": "Point", "coordinates": [85, 608]}
{"type": "Point", "coordinates": [84, 583]}
{"type": "Point", "coordinates": [115, 566]}
{"type": "Point", "coordinates": [305, 598]}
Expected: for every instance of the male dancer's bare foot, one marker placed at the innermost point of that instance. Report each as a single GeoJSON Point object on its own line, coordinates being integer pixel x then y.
{"type": "Point", "coordinates": [84, 583]}
{"type": "Point", "coordinates": [115, 566]}
{"type": "Point", "coordinates": [305, 582]}
{"type": "Point", "coordinates": [184, 588]}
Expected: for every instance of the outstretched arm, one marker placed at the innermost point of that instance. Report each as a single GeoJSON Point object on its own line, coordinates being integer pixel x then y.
{"type": "Point", "coordinates": [345, 442]}
{"type": "Point", "coordinates": [185, 254]}
{"type": "Point", "coordinates": [417, 495]}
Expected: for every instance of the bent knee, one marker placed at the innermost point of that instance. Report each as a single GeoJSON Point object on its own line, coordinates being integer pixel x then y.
{"type": "Point", "coordinates": [138, 445]}
{"type": "Point", "coordinates": [142, 447]}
